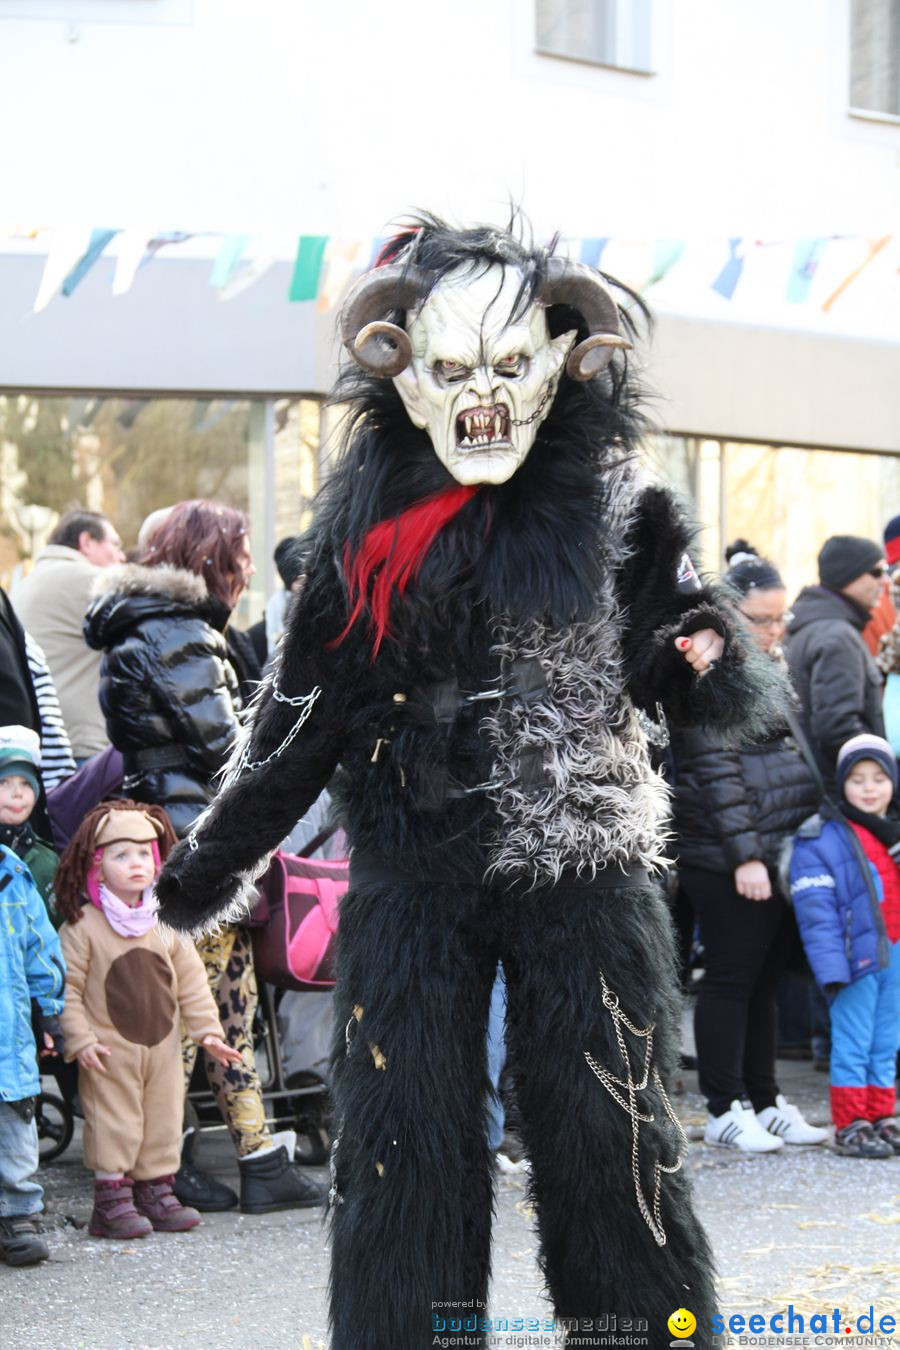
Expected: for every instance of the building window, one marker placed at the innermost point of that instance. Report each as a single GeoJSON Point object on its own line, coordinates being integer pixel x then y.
{"type": "Point", "coordinates": [875, 57]}
{"type": "Point", "coordinates": [604, 32]}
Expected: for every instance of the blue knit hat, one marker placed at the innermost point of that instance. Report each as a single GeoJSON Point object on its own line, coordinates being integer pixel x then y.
{"type": "Point", "coordinates": [866, 747]}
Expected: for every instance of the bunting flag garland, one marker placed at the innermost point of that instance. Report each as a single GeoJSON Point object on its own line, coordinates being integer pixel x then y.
{"type": "Point", "coordinates": [769, 274]}
{"type": "Point", "coordinates": [727, 280]}
{"type": "Point", "coordinates": [668, 253]}
{"type": "Point", "coordinates": [806, 260]}
{"type": "Point", "coordinates": [874, 249]}
{"type": "Point", "coordinates": [591, 251]}
{"type": "Point", "coordinates": [131, 249]}
{"type": "Point", "coordinates": [308, 267]}
{"type": "Point", "coordinates": [67, 247]}
{"type": "Point", "coordinates": [98, 241]}
{"type": "Point", "coordinates": [227, 259]}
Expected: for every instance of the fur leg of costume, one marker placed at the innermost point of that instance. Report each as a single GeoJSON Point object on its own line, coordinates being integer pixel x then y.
{"type": "Point", "coordinates": [412, 1212]}
{"type": "Point", "coordinates": [598, 1251]}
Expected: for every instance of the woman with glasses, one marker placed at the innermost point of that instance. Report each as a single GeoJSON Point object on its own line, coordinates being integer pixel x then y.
{"type": "Point", "coordinates": [733, 806]}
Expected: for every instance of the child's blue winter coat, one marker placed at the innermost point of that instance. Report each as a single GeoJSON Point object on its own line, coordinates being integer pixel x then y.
{"type": "Point", "coordinates": [836, 893]}
{"type": "Point", "coordinates": [31, 967]}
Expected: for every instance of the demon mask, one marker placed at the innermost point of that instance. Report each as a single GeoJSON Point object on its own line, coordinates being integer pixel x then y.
{"type": "Point", "coordinates": [475, 364]}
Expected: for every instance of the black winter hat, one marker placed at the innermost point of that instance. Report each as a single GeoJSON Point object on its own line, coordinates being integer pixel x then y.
{"type": "Point", "coordinates": [290, 560]}
{"type": "Point", "coordinates": [844, 557]}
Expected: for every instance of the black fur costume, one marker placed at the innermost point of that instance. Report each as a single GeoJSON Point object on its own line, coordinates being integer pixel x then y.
{"type": "Point", "coordinates": [560, 589]}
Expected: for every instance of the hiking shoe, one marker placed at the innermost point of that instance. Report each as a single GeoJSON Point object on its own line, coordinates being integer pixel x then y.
{"type": "Point", "coordinates": [114, 1213]}
{"type": "Point", "coordinates": [196, 1188]}
{"type": "Point", "coordinates": [738, 1127]}
{"type": "Point", "coordinates": [156, 1200]}
{"type": "Point", "coordinates": [271, 1181]}
{"type": "Point", "coordinates": [21, 1240]}
{"type": "Point", "coordinates": [785, 1122]}
{"type": "Point", "coordinates": [859, 1140]}
{"type": "Point", "coordinates": [888, 1131]}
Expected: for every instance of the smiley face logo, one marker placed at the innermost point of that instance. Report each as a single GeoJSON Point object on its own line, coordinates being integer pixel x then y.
{"type": "Point", "coordinates": [682, 1323]}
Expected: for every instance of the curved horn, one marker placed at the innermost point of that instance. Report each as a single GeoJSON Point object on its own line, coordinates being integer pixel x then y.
{"type": "Point", "coordinates": [580, 287]}
{"type": "Point", "coordinates": [363, 326]}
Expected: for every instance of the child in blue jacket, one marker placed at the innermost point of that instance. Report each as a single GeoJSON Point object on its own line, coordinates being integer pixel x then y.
{"type": "Point", "coordinates": [845, 886]}
{"type": "Point", "coordinates": [32, 976]}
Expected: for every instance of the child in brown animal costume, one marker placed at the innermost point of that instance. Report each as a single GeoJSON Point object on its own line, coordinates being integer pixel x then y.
{"type": "Point", "coordinates": [130, 984]}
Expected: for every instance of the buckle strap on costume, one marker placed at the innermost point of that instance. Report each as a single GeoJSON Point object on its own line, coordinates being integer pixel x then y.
{"type": "Point", "coordinates": [443, 700]}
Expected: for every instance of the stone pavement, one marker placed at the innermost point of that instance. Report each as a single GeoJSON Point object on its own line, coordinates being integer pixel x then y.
{"type": "Point", "coordinates": [803, 1226]}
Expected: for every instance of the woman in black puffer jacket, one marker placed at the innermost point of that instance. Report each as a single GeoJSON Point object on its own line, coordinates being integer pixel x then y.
{"type": "Point", "coordinates": [170, 697]}
{"type": "Point", "coordinates": [732, 809]}
{"type": "Point", "coordinates": [167, 688]}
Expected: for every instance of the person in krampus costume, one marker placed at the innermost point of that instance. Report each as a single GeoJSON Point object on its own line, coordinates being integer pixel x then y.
{"type": "Point", "coordinates": [493, 607]}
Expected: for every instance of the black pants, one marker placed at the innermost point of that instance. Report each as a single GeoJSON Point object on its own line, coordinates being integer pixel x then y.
{"type": "Point", "coordinates": [413, 1173]}
{"type": "Point", "coordinates": [735, 1021]}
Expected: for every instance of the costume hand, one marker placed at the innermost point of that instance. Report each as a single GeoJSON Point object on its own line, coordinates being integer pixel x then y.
{"type": "Point", "coordinates": [220, 1051]}
{"type": "Point", "coordinates": [89, 1057]}
{"type": "Point", "coordinates": [751, 880]}
{"type": "Point", "coordinates": [701, 649]}
{"type": "Point", "coordinates": [48, 1047]}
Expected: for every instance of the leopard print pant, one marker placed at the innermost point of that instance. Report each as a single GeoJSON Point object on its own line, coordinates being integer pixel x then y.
{"type": "Point", "coordinates": [228, 958]}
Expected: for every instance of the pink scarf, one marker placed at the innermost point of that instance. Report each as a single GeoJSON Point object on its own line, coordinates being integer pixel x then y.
{"type": "Point", "coordinates": [125, 920]}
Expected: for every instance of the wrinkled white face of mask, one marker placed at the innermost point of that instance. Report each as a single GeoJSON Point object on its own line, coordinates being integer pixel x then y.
{"type": "Point", "coordinates": [480, 383]}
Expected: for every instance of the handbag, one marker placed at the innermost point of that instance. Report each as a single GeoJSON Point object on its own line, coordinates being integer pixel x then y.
{"type": "Point", "coordinates": [295, 920]}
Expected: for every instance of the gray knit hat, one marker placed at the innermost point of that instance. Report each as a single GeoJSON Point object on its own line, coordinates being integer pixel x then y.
{"type": "Point", "coordinates": [844, 557]}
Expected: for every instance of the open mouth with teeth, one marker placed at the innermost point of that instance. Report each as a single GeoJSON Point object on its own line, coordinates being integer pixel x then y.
{"type": "Point", "coordinates": [480, 428]}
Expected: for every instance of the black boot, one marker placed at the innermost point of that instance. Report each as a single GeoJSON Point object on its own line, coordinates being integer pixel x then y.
{"type": "Point", "coordinates": [197, 1189]}
{"type": "Point", "coordinates": [271, 1181]}
{"type": "Point", "coordinates": [21, 1240]}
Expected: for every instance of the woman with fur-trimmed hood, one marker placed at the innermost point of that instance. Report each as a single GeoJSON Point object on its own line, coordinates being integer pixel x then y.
{"type": "Point", "coordinates": [170, 697]}
{"type": "Point", "coordinates": [492, 606]}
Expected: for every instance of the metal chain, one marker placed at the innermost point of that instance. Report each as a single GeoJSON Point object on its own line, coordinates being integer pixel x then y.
{"type": "Point", "coordinates": [247, 765]}
{"type": "Point", "coordinates": [610, 1082]}
{"type": "Point", "coordinates": [526, 421]}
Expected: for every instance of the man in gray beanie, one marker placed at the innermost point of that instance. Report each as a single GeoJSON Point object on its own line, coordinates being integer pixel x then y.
{"type": "Point", "coordinates": [836, 679]}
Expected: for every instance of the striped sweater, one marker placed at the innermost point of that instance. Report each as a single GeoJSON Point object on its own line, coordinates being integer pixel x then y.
{"type": "Point", "coordinates": [56, 752]}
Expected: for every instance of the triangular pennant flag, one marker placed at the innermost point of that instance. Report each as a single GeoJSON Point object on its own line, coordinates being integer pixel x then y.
{"type": "Point", "coordinates": [98, 241]}
{"type": "Point", "coordinates": [66, 248]}
{"type": "Point", "coordinates": [592, 250]}
{"type": "Point", "coordinates": [227, 259]}
{"type": "Point", "coordinates": [308, 267]}
{"type": "Point", "coordinates": [343, 258]}
{"type": "Point", "coordinates": [727, 280]}
{"type": "Point", "coordinates": [266, 253]}
{"type": "Point", "coordinates": [875, 248]}
{"type": "Point", "coordinates": [130, 251]}
{"type": "Point", "coordinates": [806, 260]}
{"type": "Point", "coordinates": [668, 252]}
{"type": "Point", "coordinates": [377, 246]}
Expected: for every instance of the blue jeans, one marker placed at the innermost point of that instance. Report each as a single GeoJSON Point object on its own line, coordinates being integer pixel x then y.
{"type": "Point", "coordinates": [496, 1058]}
{"type": "Point", "coordinates": [19, 1192]}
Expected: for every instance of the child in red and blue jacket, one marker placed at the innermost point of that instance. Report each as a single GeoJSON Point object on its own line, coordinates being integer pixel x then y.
{"type": "Point", "coordinates": [845, 886]}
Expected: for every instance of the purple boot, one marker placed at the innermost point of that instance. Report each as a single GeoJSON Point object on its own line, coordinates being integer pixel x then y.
{"type": "Point", "coordinates": [162, 1207]}
{"type": "Point", "coordinates": [114, 1213]}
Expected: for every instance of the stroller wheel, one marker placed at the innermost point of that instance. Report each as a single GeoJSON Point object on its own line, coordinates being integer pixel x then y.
{"type": "Point", "coordinates": [313, 1143]}
{"type": "Point", "coordinates": [55, 1125]}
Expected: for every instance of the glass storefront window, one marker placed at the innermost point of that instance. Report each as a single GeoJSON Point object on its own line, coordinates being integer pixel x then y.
{"type": "Point", "coordinates": [127, 457]}
{"type": "Point", "coordinates": [784, 500]}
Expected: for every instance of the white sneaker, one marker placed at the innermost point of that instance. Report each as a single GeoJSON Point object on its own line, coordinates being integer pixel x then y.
{"type": "Point", "coordinates": [738, 1127]}
{"type": "Point", "coordinates": [785, 1121]}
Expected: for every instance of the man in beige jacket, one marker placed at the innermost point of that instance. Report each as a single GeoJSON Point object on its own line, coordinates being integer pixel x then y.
{"type": "Point", "coordinates": [51, 603]}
